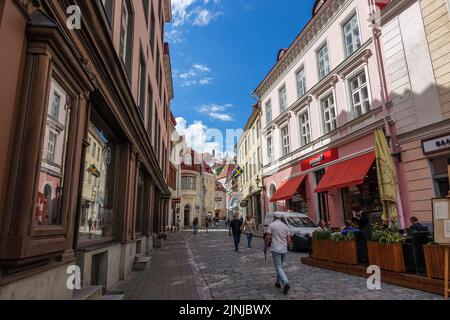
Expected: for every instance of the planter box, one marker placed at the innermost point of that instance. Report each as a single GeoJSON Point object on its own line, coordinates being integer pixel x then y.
{"type": "Point", "coordinates": [321, 249]}
{"type": "Point", "coordinates": [388, 257]}
{"type": "Point", "coordinates": [434, 261]}
{"type": "Point", "coordinates": [343, 252]}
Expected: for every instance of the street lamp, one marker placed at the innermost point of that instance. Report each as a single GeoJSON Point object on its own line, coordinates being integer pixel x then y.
{"type": "Point", "coordinates": [259, 183]}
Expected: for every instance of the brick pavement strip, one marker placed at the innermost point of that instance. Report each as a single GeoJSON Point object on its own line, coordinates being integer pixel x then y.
{"type": "Point", "coordinates": [205, 266]}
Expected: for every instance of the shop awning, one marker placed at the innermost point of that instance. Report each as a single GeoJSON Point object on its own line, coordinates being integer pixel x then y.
{"type": "Point", "coordinates": [347, 173]}
{"type": "Point", "coordinates": [288, 189]}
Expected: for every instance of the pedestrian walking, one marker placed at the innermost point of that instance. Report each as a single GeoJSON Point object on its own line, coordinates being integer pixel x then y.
{"type": "Point", "coordinates": [207, 225]}
{"type": "Point", "coordinates": [195, 225]}
{"type": "Point", "coordinates": [178, 224]}
{"type": "Point", "coordinates": [236, 230]}
{"type": "Point", "coordinates": [249, 228]}
{"type": "Point", "coordinates": [279, 237]}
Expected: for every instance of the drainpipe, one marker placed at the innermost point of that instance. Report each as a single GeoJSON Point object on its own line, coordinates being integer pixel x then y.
{"type": "Point", "coordinates": [390, 129]}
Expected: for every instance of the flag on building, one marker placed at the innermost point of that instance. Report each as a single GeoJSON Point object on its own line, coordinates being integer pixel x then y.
{"type": "Point", "coordinates": [237, 172]}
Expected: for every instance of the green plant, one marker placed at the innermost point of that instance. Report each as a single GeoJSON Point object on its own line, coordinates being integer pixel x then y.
{"type": "Point", "coordinates": [337, 236]}
{"type": "Point", "coordinates": [387, 236]}
{"type": "Point", "coordinates": [322, 235]}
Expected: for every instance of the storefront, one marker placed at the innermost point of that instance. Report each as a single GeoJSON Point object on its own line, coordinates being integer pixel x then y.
{"type": "Point", "coordinates": [437, 150]}
{"type": "Point", "coordinates": [326, 185]}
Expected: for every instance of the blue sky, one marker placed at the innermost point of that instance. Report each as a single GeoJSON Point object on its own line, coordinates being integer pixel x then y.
{"type": "Point", "coordinates": [220, 51]}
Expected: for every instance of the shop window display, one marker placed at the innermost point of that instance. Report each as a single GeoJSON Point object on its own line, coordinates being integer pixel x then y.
{"type": "Point", "coordinates": [367, 195]}
{"type": "Point", "coordinates": [99, 184]}
{"type": "Point", "coordinates": [51, 177]}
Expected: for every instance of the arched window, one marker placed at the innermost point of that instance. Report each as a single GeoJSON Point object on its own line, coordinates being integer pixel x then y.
{"type": "Point", "coordinates": [126, 35]}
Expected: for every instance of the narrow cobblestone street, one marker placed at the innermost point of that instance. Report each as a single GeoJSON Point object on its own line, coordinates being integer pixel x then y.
{"type": "Point", "coordinates": [205, 266]}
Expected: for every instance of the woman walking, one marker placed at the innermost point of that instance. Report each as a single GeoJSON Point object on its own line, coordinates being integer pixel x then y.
{"type": "Point", "coordinates": [249, 228]}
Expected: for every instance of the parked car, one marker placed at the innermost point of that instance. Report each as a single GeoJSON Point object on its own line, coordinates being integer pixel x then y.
{"type": "Point", "coordinates": [300, 226]}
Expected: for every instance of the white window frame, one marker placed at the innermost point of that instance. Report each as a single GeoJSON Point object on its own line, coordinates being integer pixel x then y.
{"type": "Point", "coordinates": [328, 109]}
{"type": "Point", "coordinates": [51, 145]}
{"type": "Point", "coordinates": [319, 58]}
{"type": "Point", "coordinates": [269, 113]}
{"type": "Point", "coordinates": [124, 22]}
{"type": "Point", "coordinates": [285, 141]}
{"type": "Point", "coordinates": [301, 84]}
{"type": "Point", "coordinates": [347, 53]}
{"type": "Point", "coordinates": [282, 99]}
{"type": "Point", "coordinates": [270, 148]}
{"type": "Point", "coordinates": [302, 125]}
{"type": "Point", "coordinates": [358, 90]}
{"type": "Point", "coordinates": [54, 112]}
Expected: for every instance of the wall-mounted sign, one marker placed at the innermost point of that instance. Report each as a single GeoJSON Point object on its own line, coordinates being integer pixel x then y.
{"type": "Point", "coordinates": [320, 159]}
{"type": "Point", "coordinates": [436, 144]}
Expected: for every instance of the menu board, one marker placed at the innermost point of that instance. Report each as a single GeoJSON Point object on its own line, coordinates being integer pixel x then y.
{"type": "Point", "coordinates": [441, 221]}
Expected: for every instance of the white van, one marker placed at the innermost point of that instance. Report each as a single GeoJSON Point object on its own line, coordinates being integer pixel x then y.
{"type": "Point", "coordinates": [300, 226]}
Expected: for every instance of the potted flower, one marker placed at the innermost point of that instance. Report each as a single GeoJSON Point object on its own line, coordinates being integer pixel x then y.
{"type": "Point", "coordinates": [343, 248]}
{"type": "Point", "coordinates": [321, 245]}
{"type": "Point", "coordinates": [386, 250]}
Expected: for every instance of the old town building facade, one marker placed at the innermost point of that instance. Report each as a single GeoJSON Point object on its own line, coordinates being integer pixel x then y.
{"type": "Point", "coordinates": [86, 141]}
{"type": "Point", "coordinates": [321, 104]}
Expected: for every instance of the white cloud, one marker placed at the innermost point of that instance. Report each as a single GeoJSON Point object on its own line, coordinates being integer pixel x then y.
{"type": "Point", "coordinates": [196, 74]}
{"type": "Point", "coordinates": [217, 112]}
{"type": "Point", "coordinates": [203, 17]}
{"type": "Point", "coordinates": [191, 12]}
{"type": "Point", "coordinates": [199, 137]}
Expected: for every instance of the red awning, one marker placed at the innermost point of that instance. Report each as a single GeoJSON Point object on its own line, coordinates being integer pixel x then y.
{"type": "Point", "coordinates": [288, 189]}
{"type": "Point", "coordinates": [347, 173]}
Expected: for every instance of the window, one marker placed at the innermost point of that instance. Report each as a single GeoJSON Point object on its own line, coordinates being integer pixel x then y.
{"type": "Point", "coordinates": [269, 112]}
{"type": "Point", "coordinates": [54, 112]}
{"type": "Point", "coordinates": [352, 37]}
{"type": "Point", "coordinates": [360, 94]}
{"type": "Point", "coordinates": [323, 62]}
{"type": "Point", "coordinates": [259, 159]}
{"type": "Point", "coordinates": [440, 176]}
{"type": "Point", "coordinates": [48, 206]}
{"type": "Point", "coordinates": [108, 5]}
{"type": "Point", "coordinates": [152, 30]}
{"type": "Point", "coordinates": [285, 143]}
{"type": "Point", "coordinates": [150, 110]}
{"type": "Point", "coordinates": [245, 148]}
{"type": "Point", "coordinates": [301, 82]}
{"type": "Point", "coordinates": [124, 32]}
{"type": "Point", "coordinates": [99, 190]}
{"type": "Point", "coordinates": [51, 146]}
{"type": "Point", "coordinates": [305, 129]}
{"type": "Point", "coordinates": [141, 86]}
{"type": "Point", "coordinates": [269, 148]}
{"type": "Point", "coordinates": [145, 6]}
{"type": "Point", "coordinates": [282, 97]}
{"type": "Point", "coordinates": [93, 149]}
{"type": "Point", "coordinates": [329, 113]}
{"type": "Point", "coordinates": [126, 36]}
{"type": "Point", "coordinates": [258, 129]}
{"type": "Point", "coordinates": [188, 183]}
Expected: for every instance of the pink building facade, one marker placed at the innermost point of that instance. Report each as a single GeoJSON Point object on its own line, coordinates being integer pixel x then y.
{"type": "Point", "coordinates": [321, 104]}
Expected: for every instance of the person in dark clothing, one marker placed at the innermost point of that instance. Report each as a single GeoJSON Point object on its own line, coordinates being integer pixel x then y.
{"type": "Point", "coordinates": [417, 226]}
{"type": "Point", "coordinates": [236, 230]}
{"type": "Point", "coordinates": [361, 219]}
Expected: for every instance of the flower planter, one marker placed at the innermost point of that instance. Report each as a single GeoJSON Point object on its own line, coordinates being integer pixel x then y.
{"type": "Point", "coordinates": [344, 252]}
{"type": "Point", "coordinates": [388, 256]}
{"type": "Point", "coordinates": [321, 249]}
{"type": "Point", "coordinates": [434, 261]}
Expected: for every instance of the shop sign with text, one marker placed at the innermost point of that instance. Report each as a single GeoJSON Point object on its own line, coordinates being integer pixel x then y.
{"type": "Point", "coordinates": [320, 159]}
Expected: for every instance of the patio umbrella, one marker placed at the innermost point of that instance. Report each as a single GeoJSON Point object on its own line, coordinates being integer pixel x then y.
{"type": "Point", "coordinates": [387, 178]}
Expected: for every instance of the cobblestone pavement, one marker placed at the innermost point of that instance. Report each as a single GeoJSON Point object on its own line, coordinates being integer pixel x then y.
{"type": "Point", "coordinates": [205, 266]}
{"type": "Point", "coordinates": [245, 275]}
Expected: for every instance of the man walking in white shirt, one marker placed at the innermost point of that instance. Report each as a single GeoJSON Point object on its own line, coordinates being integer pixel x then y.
{"type": "Point", "coordinates": [279, 237]}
